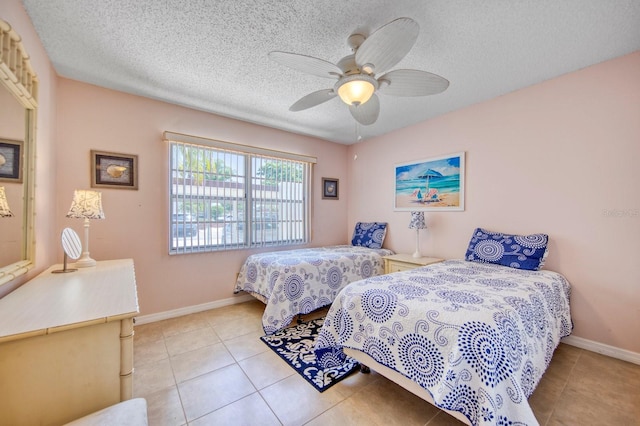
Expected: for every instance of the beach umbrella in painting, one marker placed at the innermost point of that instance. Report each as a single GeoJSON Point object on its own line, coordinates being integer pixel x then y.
{"type": "Point", "coordinates": [430, 173]}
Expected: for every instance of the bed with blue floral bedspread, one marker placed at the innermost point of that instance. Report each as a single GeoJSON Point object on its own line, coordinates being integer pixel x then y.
{"type": "Point", "coordinates": [299, 281]}
{"type": "Point", "coordinates": [476, 336]}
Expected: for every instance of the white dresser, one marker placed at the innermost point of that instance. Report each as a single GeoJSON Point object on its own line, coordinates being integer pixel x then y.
{"type": "Point", "coordinates": [66, 344]}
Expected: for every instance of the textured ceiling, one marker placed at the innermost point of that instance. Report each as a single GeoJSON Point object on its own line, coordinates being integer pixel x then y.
{"type": "Point", "coordinates": [212, 55]}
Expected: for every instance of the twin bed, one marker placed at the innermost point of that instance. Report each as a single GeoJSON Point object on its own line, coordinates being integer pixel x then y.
{"type": "Point", "coordinates": [294, 282]}
{"type": "Point", "coordinates": [472, 336]}
{"type": "Point", "coordinates": [475, 338]}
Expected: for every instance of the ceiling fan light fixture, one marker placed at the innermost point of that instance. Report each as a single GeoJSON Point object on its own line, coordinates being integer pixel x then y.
{"type": "Point", "coordinates": [368, 68]}
{"type": "Point", "coordinates": [356, 89]}
{"type": "Point", "coordinates": [366, 71]}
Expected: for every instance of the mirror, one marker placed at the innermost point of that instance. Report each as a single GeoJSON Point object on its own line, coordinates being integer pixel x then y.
{"type": "Point", "coordinates": [18, 93]}
{"type": "Point", "coordinates": [11, 138]}
{"type": "Point", "coordinates": [71, 243]}
{"type": "Point", "coordinates": [72, 248]}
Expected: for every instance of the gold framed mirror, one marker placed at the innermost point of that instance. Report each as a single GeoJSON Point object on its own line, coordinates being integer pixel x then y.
{"type": "Point", "coordinates": [19, 83]}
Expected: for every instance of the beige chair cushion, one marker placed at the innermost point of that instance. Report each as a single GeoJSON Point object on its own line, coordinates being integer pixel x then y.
{"type": "Point", "coordinates": [127, 413]}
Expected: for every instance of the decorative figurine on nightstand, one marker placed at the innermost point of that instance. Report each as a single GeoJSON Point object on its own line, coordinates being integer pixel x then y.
{"type": "Point", "coordinates": [417, 223]}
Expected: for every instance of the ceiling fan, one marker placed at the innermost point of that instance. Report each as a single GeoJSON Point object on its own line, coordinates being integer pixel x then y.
{"type": "Point", "coordinates": [360, 75]}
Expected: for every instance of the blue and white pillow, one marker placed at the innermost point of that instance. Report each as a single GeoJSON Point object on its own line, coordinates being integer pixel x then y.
{"type": "Point", "coordinates": [369, 234]}
{"type": "Point", "coordinates": [516, 251]}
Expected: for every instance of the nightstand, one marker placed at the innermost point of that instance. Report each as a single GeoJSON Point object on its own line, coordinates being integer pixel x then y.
{"type": "Point", "coordinates": [405, 262]}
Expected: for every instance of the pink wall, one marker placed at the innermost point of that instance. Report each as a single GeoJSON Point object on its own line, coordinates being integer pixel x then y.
{"type": "Point", "coordinates": [136, 223]}
{"type": "Point", "coordinates": [560, 158]}
{"type": "Point", "coordinates": [46, 236]}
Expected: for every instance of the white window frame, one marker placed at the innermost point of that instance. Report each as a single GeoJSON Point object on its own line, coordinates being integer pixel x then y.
{"type": "Point", "coordinates": [286, 223]}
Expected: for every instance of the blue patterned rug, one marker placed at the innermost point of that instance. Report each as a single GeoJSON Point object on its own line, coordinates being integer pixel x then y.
{"type": "Point", "coordinates": [295, 346]}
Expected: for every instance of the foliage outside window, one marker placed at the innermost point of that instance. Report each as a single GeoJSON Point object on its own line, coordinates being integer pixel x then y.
{"type": "Point", "coordinates": [223, 199]}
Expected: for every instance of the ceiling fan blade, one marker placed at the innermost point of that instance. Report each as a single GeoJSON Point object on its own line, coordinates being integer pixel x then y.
{"type": "Point", "coordinates": [368, 112]}
{"type": "Point", "coordinates": [388, 45]}
{"type": "Point", "coordinates": [307, 64]}
{"type": "Point", "coordinates": [313, 99]}
{"type": "Point", "coordinates": [411, 83]}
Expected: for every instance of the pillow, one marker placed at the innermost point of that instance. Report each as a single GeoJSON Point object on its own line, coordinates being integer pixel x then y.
{"type": "Point", "coordinates": [369, 234]}
{"type": "Point", "coordinates": [516, 251]}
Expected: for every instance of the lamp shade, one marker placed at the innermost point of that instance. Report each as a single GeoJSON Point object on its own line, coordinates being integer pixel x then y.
{"type": "Point", "coordinates": [4, 204]}
{"type": "Point", "coordinates": [356, 89]}
{"type": "Point", "coordinates": [86, 205]}
{"type": "Point", "coordinates": [417, 221]}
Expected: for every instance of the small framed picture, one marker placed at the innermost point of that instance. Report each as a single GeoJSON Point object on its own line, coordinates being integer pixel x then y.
{"type": "Point", "coordinates": [112, 170]}
{"type": "Point", "coordinates": [11, 160]}
{"type": "Point", "coordinates": [329, 189]}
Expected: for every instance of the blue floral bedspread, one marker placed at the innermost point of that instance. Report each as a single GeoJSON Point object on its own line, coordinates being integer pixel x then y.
{"type": "Point", "coordinates": [477, 336]}
{"type": "Point", "coordinates": [299, 281]}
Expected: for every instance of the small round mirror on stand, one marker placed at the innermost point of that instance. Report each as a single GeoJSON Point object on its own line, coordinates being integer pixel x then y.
{"type": "Point", "coordinates": [72, 248]}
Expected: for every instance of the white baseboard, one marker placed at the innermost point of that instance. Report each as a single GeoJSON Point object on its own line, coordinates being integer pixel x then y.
{"type": "Point", "coordinates": [145, 319]}
{"type": "Point", "coordinates": [603, 349]}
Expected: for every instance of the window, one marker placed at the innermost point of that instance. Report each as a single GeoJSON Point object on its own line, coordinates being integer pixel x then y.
{"type": "Point", "coordinates": [226, 196]}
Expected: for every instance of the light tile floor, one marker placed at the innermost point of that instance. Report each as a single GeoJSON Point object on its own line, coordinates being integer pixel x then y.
{"type": "Point", "coordinates": [211, 368]}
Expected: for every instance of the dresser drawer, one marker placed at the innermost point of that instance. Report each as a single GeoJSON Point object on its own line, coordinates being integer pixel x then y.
{"type": "Point", "coordinates": [400, 266]}
{"type": "Point", "coordinates": [406, 262]}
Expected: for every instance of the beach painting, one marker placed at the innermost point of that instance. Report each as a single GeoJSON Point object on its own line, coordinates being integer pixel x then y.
{"type": "Point", "coordinates": [434, 184]}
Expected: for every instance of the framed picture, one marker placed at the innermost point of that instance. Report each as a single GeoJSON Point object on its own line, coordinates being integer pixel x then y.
{"type": "Point", "coordinates": [112, 170]}
{"type": "Point", "coordinates": [11, 160]}
{"type": "Point", "coordinates": [329, 189]}
{"type": "Point", "coordinates": [433, 184]}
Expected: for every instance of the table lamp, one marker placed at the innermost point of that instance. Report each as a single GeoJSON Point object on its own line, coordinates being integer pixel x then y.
{"type": "Point", "coordinates": [417, 223]}
{"type": "Point", "coordinates": [86, 205]}
{"type": "Point", "coordinates": [5, 211]}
